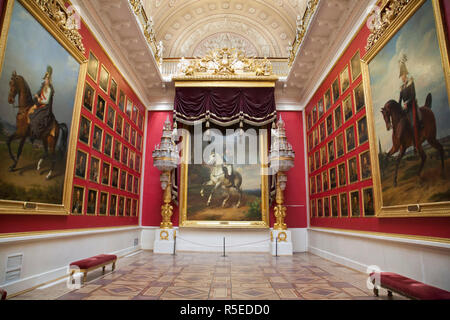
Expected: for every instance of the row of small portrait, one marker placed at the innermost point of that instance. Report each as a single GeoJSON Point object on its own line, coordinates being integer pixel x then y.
{"type": "Point", "coordinates": [333, 150]}
{"type": "Point", "coordinates": [100, 107]}
{"type": "Point", "coordinates": [113, 119]}
{"type": "Point", "coordinates": [107, 174]}
{"type": "Point", "coordinates": [104, 84]}
{"type": "Point", "coordinates": [336, 119]}
{"type": "Point", "coordinates": [106, 145]}
{"type": "Point", "coordinates": [101, 203]}
{"type": "Point", "coordinates": [333, 94]}
{"type": "Point", "coordinates": [345, 173]}
{"type": "Point", "coordinates": [117, 123]}
{"type": "Point", "coordinates": [339, 206]}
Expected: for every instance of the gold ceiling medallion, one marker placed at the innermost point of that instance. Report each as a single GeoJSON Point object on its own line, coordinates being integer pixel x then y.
{"type": "Point", "coordinates": [64, 19]}
{"type": "Point", "coordinates": [225, 64]}
{"type": "Point", "coordinates": [302, 24]}
{"type": "Point", "coordinates": [381, 19]}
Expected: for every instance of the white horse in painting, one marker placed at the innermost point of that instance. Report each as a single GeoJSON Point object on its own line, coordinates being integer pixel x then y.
{"type": "Point", "coordinates": [221, 177]}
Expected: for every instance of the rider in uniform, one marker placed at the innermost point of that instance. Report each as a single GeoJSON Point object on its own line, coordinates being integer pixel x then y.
{"type": "Point", "coordinates": [40, 114]}
{"type": "Point", "coordinates": [408, 97]}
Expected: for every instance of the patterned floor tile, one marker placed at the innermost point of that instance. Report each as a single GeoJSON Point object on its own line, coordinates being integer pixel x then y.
{"type": "Point", "coordinates": [249, 276]}
{"type": "Point", "coordinates": [186, 293]}
{"type": "Point", "coordinates": [254, 294]}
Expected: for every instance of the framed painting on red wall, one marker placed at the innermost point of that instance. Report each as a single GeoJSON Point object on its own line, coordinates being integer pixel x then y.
{"type": "Point", "coordinates": [407, 90]}
{"type": "Point", "coordinates": [28, 183]}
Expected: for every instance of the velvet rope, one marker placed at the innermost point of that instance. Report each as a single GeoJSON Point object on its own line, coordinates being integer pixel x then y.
{"type": "Point", "coordinates": [225, 106]}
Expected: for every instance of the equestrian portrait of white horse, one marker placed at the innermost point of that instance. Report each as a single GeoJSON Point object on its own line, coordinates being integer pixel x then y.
{"type": "Point", "coordinates": [222, 176]}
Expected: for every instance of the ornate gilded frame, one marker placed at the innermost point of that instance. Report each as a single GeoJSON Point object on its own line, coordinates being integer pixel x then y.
{"type": "Point", "coordinates": [376, 41]}
{"type": "Point", "coordinates": [263, 223]}
{"type": "Point", "coordinates": [49, 14]}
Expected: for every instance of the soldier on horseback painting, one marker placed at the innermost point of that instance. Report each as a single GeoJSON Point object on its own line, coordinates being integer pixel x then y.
{"type": "Point", "coordinates": [41, 114]}
{"type": "Point", "coordinates": [408, 96]}
{"type": "Point", "coordinates": [408, 116]}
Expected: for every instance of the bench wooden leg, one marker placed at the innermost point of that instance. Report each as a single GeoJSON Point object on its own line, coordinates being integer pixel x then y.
{"type": "Point", "coordinates": [71, 276]}
{"type": "Point", "coordinates": [114, 266]}
{"type": "Point", "coordinates": [389, 294]}
{"type": "Point", "coordinates": [375, 291]}
{"type": "Point", "coordinates": [85, 277]}
{"type": "Point", "coordinates": [103, 269]}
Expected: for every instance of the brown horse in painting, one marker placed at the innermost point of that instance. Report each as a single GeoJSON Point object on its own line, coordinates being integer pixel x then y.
{"type": "Point", "coordinates": [18, 86]}
{"type": "Point", "coordinates": [403, 133]}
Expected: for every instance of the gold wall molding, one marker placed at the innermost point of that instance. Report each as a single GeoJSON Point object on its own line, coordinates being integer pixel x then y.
{"type": "Point", "coordinates": [383, 18]}
{"type": "Point", "coordinates": [61, 231]}
{"type": "Point", "coordinates": [383, 234]}
{"type": "Point", "coordinates": [302, 25]}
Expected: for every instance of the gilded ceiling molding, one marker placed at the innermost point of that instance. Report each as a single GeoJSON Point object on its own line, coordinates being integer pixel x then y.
{"type": "Point", "coordinates": [147, 26]}
{"type": "Point", "coordinates": [64, 19]}
{"type": "Point", "coordinates": [381, 18]}
{"type": "Point", "coordinates": [226, 64]}
{"type": "Point", "coordinates": [302, 26]}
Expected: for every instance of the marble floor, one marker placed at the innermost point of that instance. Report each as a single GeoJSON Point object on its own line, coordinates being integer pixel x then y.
{"type": "Point", "coordinates": [209, 276]}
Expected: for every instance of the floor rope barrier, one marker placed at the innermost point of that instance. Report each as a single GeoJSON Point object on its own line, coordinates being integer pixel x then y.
{"type": "Point", "coordinates": [219, 246]}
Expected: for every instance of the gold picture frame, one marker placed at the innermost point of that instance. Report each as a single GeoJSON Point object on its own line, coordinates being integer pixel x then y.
{"type": "Point", "coordinates": [75, 49]}
{"type": "Point", "coordinates": [405, 13]}
{"type": "Point", "coordinates": [259, 224]}
{"type": "Point", "coordinates": [93, 66]}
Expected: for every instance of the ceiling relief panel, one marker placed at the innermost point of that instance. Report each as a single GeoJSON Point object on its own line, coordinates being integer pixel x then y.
{"type": "Point", "coordinates": [227, 39]}
{"type": "Point", "coordinates": [190, 27]}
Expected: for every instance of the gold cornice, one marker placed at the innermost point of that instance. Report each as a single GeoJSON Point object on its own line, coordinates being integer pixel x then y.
{"type": "Point", "coordinates": [229, 83]}
{"type": "Point", "coordinates": [383, 234]}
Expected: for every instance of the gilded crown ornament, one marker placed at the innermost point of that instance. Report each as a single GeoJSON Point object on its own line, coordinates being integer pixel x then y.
{"type": "Point", "coordinates": [226, 62]}
{"type": "Point", "coordinates": [382, 18]}
{"type": "Point", "coordinates": [64, 19]}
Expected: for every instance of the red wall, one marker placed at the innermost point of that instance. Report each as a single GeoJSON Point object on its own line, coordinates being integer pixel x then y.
{"type": "Point", "coordinates": [433, 227]}
{"type": "Point", "coordinates": [295, 193]}
{"type": "Point", "coordinates": [446, 10]}
{"type": "Point", "coordinates": [152, 192]}
{"type": "Point", "coordinates": [27, 223]}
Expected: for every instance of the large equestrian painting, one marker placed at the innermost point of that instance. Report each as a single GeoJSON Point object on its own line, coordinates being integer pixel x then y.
{"type": "Point", "coordinates": [225, 191]}
{"type": "Point", "coordinates": [410, 116]}
{"type": "Point", "coordinates": [38, 86]}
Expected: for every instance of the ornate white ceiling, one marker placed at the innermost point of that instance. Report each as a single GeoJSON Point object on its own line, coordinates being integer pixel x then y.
{"type": "Point", "coordinates": [188, 27]}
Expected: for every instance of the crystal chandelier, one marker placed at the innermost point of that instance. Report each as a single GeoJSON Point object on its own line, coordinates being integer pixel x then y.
{"type": "Point", "coordinates": [281, 159]}
{"type": "Point", "coordinates": [165, 159]}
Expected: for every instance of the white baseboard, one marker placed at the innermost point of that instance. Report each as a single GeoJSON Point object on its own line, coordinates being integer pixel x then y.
{"type": "Point", "coordinates": [46, 259]}
{"type": "Point", "coordinates": [421, 260]}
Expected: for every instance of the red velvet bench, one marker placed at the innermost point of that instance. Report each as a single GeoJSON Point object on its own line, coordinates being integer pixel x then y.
{"type": "Point", "coordinates": [3, 294]}
{"type": "Point", "coordinates": [92, 263]}
{"type": "Point", "coordinates": [407, 287]}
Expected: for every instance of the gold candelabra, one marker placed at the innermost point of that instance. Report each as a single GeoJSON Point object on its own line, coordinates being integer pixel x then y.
{"type": "Point", "coordinates": [165, 159]}
{"type": "Point", "coordinates": [281, 159]}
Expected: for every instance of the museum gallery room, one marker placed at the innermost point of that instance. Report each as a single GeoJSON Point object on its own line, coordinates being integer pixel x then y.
{"type": "Point", "coordinates": [224, 150]}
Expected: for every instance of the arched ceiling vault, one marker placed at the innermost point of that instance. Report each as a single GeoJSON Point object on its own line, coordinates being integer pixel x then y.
{"type": "Point", "coordinates": [190, 27]}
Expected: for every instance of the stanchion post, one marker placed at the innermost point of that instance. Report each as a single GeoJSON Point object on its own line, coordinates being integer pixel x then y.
{"type": "Point", "coordinates": [276, 247]}
{"type": "Point", "coordinates": [174, 243]}
{"type": "Point", "coordinates": [223, 247]}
